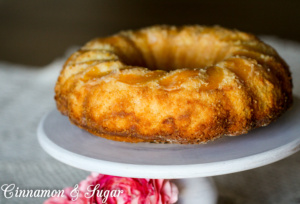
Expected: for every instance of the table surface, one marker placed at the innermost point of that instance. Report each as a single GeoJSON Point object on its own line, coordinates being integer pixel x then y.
{"type": "Point", "coordinates": [27, 94]}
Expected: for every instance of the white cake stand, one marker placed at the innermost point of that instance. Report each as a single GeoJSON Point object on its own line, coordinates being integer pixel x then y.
{"type": "Point", "coordinates": [262, 146]}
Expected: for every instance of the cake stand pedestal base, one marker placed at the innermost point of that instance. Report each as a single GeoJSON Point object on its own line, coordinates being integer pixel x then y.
{"type": "Point", "coordinates": [197, 190]}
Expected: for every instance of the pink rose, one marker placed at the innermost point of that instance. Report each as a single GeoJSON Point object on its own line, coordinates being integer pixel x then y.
{"type": "Point", "coordinates": [100, 189]}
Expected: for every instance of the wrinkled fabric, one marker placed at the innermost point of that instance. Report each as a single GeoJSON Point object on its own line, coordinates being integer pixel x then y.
{"type": "Point", "coordinates": [26, 94]}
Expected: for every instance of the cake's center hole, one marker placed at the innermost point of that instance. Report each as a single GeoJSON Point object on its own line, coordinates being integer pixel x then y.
{"type": "Point", "coordinates": [162, 53]}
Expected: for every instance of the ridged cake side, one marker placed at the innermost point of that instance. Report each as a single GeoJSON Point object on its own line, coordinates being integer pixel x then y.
{"type": "Point", "coordinates": [186, 84]}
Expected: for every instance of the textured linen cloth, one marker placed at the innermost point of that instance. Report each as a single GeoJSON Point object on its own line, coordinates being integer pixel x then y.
{"type": "Point", "coordinates": [26, 94]}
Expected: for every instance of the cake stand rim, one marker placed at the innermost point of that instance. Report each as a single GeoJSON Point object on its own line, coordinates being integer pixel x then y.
{"type": "Point", "coordinates": [163, 171]}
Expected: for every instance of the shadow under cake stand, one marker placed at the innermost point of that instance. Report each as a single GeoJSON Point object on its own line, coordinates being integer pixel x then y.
{"type": "Point", "coordinates": [78, 148]}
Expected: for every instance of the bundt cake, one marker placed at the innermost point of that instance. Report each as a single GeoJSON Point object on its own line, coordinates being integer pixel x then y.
{"type": "Point", "coordinates": [168, 84]}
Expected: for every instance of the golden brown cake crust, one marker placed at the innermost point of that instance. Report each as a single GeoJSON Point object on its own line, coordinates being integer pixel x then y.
{"type": "Point", "coordinates": [187, 85]}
